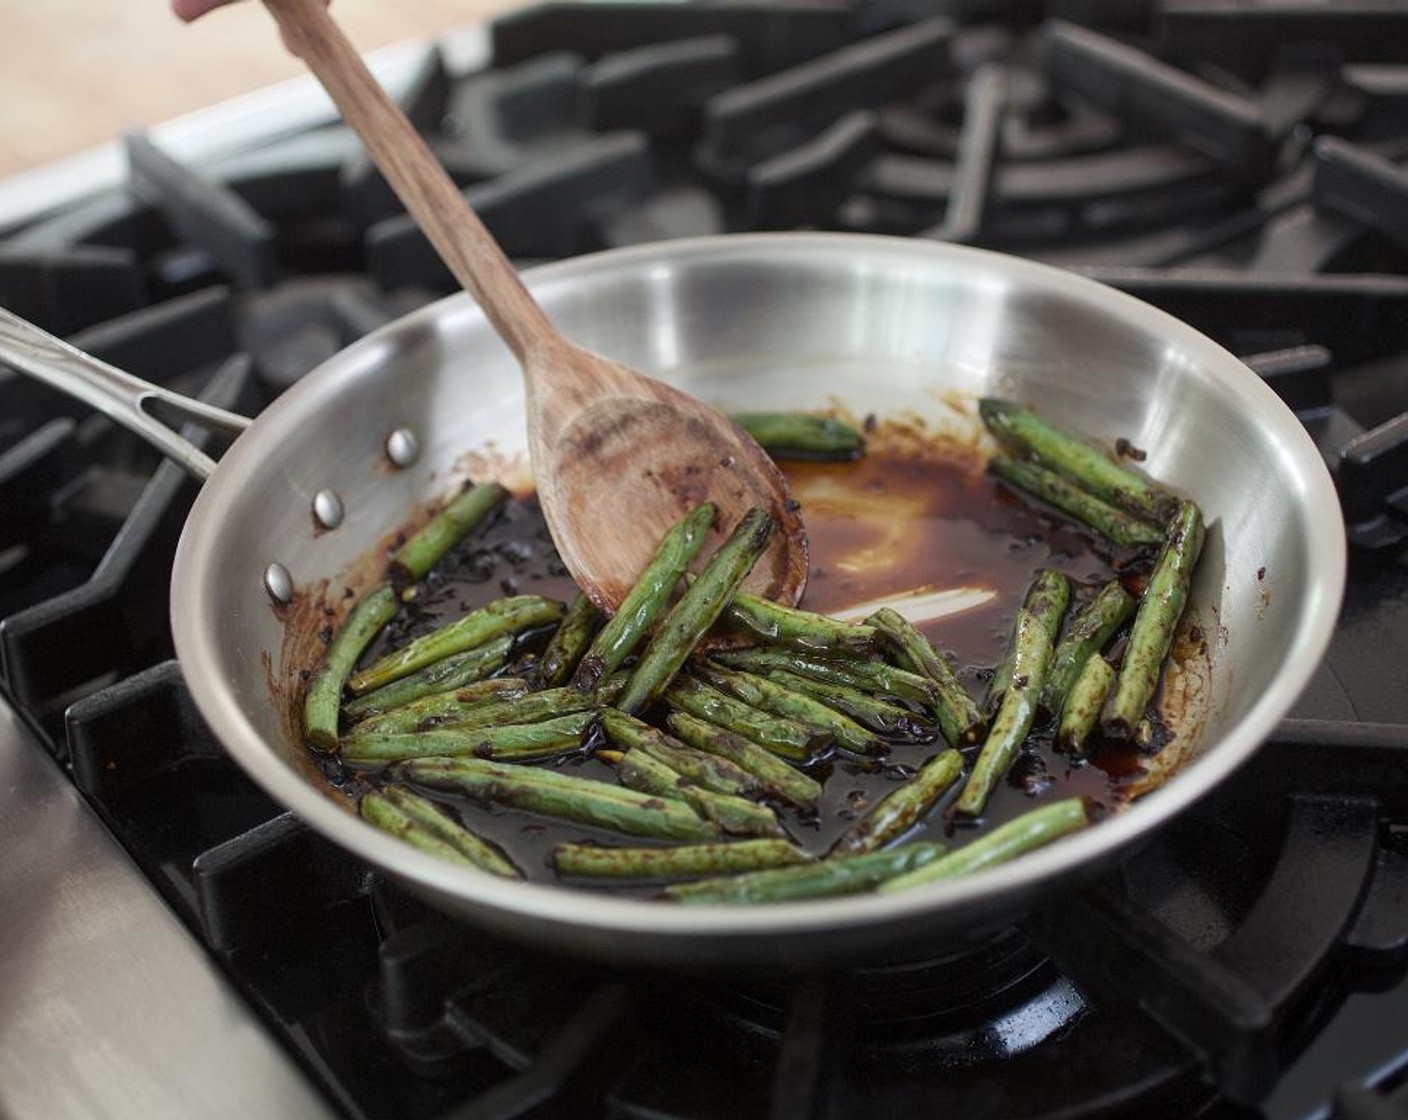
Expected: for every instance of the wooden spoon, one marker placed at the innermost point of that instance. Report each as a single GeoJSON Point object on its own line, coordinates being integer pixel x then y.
{"type": "Point", "coordinates": [617, 456]}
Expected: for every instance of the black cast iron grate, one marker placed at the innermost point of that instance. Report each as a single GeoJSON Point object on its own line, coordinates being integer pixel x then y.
{"type": "Point", "coordinates": [1259, 198]}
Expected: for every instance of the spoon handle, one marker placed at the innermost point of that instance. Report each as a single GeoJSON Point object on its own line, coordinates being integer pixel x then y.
{"type": "Point", "coordinates": [417, 177]}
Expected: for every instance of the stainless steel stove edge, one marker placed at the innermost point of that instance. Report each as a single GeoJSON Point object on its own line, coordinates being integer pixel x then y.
{"type": "Point", "coordinates": [108, 1006]}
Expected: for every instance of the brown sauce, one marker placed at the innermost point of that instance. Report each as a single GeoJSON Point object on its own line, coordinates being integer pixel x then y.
{"type": "Point", "coordinates": [897, 519]}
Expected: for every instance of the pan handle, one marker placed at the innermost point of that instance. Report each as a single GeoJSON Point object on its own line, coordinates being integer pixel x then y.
{"type": "Point", "coordinates": [121, 396]}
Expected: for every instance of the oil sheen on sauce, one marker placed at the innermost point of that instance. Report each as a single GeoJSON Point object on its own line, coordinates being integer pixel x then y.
{"type": "Point", "coordinates": [899, 519]}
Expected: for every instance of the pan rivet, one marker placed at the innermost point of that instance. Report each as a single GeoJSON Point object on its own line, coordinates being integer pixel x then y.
{"type": "Point", "coordinates": [327, 508]}
{"type": "Point", "coordinates": [402, 447]}
{"type": "Point", "coordinates": [278, 583]}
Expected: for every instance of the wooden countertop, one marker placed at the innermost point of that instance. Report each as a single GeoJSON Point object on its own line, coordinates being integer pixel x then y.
{"type": "Point", "coordinates": [76, 73]}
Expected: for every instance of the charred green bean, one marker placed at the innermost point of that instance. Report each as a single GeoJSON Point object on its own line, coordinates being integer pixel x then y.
{"type": "Point", "coordinates": [503, 616]}
{"type": "Point", "coordinates": [1087, 467]}
{"type": "Point", "coordinates": [1114, 524]}
{"type": "Point", "coordinates": [903, 807]}
{"type": "Point", "coordinates": [533, 707]}
{"type": "Point", "coordinates": [442, 532]}
{"type": "Point", "coordinates": [1090, 628]}
{"type": "Point", "coordinates": [801, 435]}
{"type": "Point", "coordinates": [443, 707]}
{"type": "Point", "coordinates": [997, 684]}
{"type": "Point", "coordinates": [422, 824]}
{"type": "Point", "coordinates": [647, 600]}
{"type": "Point", "coordinates": [506, 742]}
{"type": "Point", "coordinates": [810, 880]}
{"type": "Point", "coordinates": [1030, 831]}
{"type": "Point", "coordinates": [565, 796]}
{"type": "Point", "coordinates": [797, 629]}
{"type": "Point", "coordinates": [889, 720]}
{"type": "Point", "coordinates": [1155, 621]}
{"type": "Point", "coordinates": [864, 674]}
{"type": "Point", "coordinates": [769, 696]}
{"type": "Point", "coordinates": [700, 767]}
{"type": "Point", "coordinates": [1055, 585]}
{"type": "Point", "coordinates": [569, 643]}
{"type": "Point", "coordinates": [794, 741]}
{"type": "Point", "coordinates": [736, 816]}
{"type": "Point", "coordinates": [1038, 621]}
{"type": "Point", "coordinates": [446, 675]}
{"type": "Point", "coordinates": [697, 609]}
{"type": "Point", "coordinates": [958, 715]}
{"type": "Point", "coordinates": [1083, 702]}
{"type": "Point", "coordinates": [322, 701]}
{"type": "Point", "coordinates": [598, 861]}
{"type": "Point", "coordinates": [776, 778]}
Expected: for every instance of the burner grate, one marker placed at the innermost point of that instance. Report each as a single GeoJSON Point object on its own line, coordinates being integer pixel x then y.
{"type": "Point", "coordinates": [1258, 197]}
{"type": "Point", "coordinates": [108, 617]}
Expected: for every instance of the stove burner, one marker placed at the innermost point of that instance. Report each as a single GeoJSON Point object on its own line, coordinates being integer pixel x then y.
{"type": "Point", "coordinates": [100, 610]}
{"type": "Point", "coordinates": [1364, 186]}
{"type": "Point", "coordinates": [1165, 101]}
{"type": "Point", "coordinates": [1248, 38]}
{"type": "Point", "coordinates": [1238, 165]}
{"type": "Point", "coordinates": [206, 214]}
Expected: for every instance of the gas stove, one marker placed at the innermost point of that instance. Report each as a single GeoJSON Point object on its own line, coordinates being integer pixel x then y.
{"type": "Point", "coordinates": [176, 944]}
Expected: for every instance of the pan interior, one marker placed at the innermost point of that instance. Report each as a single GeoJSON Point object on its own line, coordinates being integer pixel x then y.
{"type": "Point", "coordinates": [764, 321]}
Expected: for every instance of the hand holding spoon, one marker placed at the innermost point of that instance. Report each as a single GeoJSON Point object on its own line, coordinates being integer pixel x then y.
{"type": "Point", "coordinates": [617, 457]}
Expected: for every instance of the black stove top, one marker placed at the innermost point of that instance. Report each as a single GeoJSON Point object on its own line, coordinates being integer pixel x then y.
{"type": "Point", "coordinates": [1232, 163]}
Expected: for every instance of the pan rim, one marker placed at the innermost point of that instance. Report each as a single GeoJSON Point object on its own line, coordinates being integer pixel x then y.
{"type": "Point", "coordinates": [559, 906]}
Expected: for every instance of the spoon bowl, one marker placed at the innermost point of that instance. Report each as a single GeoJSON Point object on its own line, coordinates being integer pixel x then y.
{"type": "Point", "coordinates": [663, 452]}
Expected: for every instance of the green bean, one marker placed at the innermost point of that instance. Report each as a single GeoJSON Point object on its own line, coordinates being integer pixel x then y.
{"type": "Point", "coordinates": [1083, 703]}
{"type": "Point", "coordinates": [520, 742]}
{"type": "Point", "coordinates": [645, 602]}
{"type": "Point", "coordinates": [1120, 528]}
{"type": "Point", "coordinates": [446, 675]}
{"type": "Point", "coordinates": [794, 741]}
{"type": "Point", "coordinates": [1156, 619]}
{"type": "Point", "coordinates": [324, 696]}
{"type": "Point", "coordinates": [697, 609]}
{"type": "Point", "coordinates": [736, 816]}
{"type": "Point", "coordinates": [1026, 833]}
{"type": "Point", "coordinates": [534, 706]}
{"type": "Point", "coordinates": [1090, 469]}
{"type": "Point", "coordinates": [597, 861]}
{"type": "Point", "coordinates": [700, 767]}
{"type": "Point", "coordinates": [423, 551]}
{"type": "Point", "coordinates": [997, 684]}
{"type": "Point", "coordinates": [420, 822]}
{"type": "Point", "coordinates": [776, 778]}
{"type": "Point", "coordinates": [1053, 584]}
{"type": "Point", "coordinates": [811, 880]}
{"type": "Point", "coordinates": [889, 720]}
{"type": "Point", "coordinates": [875, 677]}
{"type": "Point", "coordinates": [569, 642]}
{"type": "Point", "coordinates": [759, 692]}
{"type": "Point", "coordinates": [958, 716]}
{"type": "Point", "coordinates": [503, 616]}
{"type": "Point", "coordinates": [1038, 620]}
{"type": "Point", "coordinates": [1090, 628]}
{"type": "Point", "coordinates": [797, 629]}
{"type": "Point", "coordinates": [443, 707]}
{"type": "Point", "coordinates": [903, 807]}
{"type": "Point", "coordinates": [565, 796]}
{"type": "Point", "coordinates": [801, 435]}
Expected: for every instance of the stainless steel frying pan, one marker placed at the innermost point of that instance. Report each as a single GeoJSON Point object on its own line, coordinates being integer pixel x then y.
{"type": "Point", "coordinates": [790, 320]}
